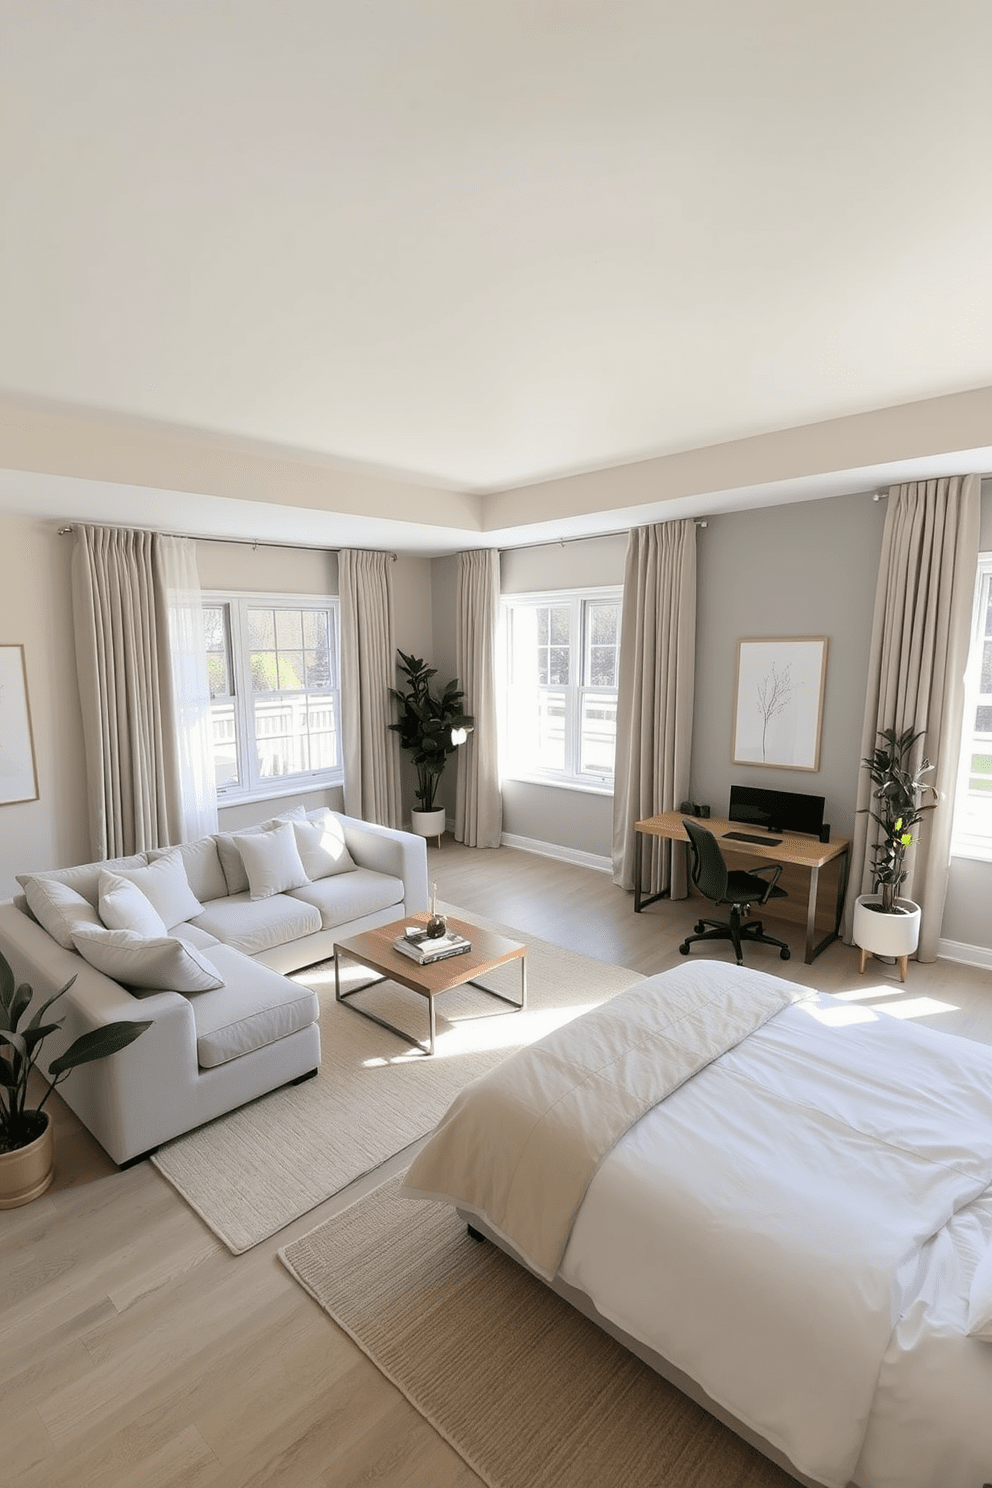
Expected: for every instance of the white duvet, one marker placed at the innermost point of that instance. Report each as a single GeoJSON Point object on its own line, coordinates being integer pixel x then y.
{"type": "Point", "coordinates": [797, 1228]}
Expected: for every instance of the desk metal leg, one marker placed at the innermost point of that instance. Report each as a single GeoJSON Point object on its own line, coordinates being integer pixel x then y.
{"type": "Point", "coordinates": [641, 900]}
{"type": "Point", "coordinates": [813, 950]}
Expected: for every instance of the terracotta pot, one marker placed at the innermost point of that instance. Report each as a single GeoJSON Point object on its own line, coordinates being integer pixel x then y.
{"type": "Point", "coordinates": [26, 1172]}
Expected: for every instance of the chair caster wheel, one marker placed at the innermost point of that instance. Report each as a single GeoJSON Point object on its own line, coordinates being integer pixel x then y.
{"type": "Point", "coordinates": [684, 948]}
{"type": "Point", "coordinates": [785, 955]}
{"type": "Point", "coordinates": [700, 928]}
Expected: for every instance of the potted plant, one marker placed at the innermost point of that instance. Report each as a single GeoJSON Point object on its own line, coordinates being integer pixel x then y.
{"type": "Point", "coordinates": [431, 726]}
{"type": "Point", "coordinates": [884, 923]}
{"type": "Point", "coordinates": [27, 1151]}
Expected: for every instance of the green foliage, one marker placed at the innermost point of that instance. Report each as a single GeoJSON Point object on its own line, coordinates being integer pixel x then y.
{"type": "Point", "coordinates": [425, 722]}
{"type": "Point", "coordinates": [21, 1047]}
{"type": "Point", "coordinates": [899, 806]}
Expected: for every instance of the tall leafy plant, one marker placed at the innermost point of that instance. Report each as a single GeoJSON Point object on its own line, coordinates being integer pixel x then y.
{"type": "Point", "coordinates": [425, 723]}
{"type": "Point", "coordinates": [900, 803]}
{"type": "Point", "coordinates": [20, 1047]}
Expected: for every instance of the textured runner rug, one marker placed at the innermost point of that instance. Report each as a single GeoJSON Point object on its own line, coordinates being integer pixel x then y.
{"type": "Point", "coordinates": [252, 1172]}
{"type": "Point", "coordinates": [530, 1393]}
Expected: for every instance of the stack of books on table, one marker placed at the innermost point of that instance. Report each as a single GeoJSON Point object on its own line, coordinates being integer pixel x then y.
{"type": "Point", "coordinates": [419, 948]}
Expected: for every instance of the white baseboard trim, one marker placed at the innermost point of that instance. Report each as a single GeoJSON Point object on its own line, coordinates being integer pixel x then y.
{"type": "Point", "coordinates": [555, 850]}
{"type": "Point", "coordinates": [971, 955]}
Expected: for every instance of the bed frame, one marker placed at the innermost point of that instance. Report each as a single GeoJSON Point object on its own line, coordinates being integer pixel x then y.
{"type": "Point", "coordinates": [479, 1230]}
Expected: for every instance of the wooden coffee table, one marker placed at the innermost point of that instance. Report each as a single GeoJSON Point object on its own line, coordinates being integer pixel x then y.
{"type": "Point", "coordinates": [374, 949]}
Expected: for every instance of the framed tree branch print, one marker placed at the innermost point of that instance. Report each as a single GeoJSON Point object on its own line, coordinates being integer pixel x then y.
{"type": "Point", "coordinates": [18, 777]}
{"type": "Point", "coordinates": [779, 702]}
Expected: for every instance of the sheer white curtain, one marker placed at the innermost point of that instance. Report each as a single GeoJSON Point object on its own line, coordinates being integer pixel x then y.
{"type": "Point", "coordinates": [919, 652]}
{"type": "Point", "coordinates": [655, 696]}
{"type": "Point", "coordinates": [189, 692]}
{"type": "Point", "coordinates": [478, 804]}
{"type": "Point", "coordinates": [368, 671]}
{"type": "Point", "coordinates": [144, 787]}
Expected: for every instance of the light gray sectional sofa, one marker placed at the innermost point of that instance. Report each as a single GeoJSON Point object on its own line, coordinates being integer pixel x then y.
{"type": "Point", "coordinates": [195, 938]}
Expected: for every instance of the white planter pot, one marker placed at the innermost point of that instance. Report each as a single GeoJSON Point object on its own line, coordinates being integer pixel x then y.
{"type": "Point", "coordinates": [894, 935]}
{"type": "Point", "coordinates": [428, 823]}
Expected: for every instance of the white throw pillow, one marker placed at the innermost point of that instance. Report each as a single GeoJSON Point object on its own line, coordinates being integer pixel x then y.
{"type": "Point", "coordinates": [320, 840]}
{"type": "Point", "coordinates": [272, 861]}
{"type": "Point", "coordinates": [164, 882]}
{"type": "Point", "coordinates": [231, 860]}
{"type": "Point", "coordinates": [57, 908]}
{"type": "Point", "coordinates": [980, 1299]}
{"type": "Point", "coordinates": [161, 963]}
{"type": "Point", "coordinates": [124, 907]}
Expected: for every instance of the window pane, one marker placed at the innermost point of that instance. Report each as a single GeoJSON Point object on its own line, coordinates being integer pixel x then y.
{"type": "Point", "coordinates": [264, 671]}
{"type": "Point", "coordinates": [985, 684]}
{"type": "Point", "coordinates": [225, 745]}
{"type": "Point", "coordinates": [261, 629]}
{"type": "Point", "coordinates": [983, 719]}
{"type": "Point", "coordinates": [551, 713]}
{"type": "Point", "coordinates": [560, 618]}
{"type": "Point", "coordinates": [289, 630]}
{"type": "Point", "coordinates": [556, 666]}
{"type": "Point", "coordinates": [602, 644]}
{"type": "Point", "coordinates": [290, 671]}
{"type": "Point", "coordinates": [294, 734]}
{"type": "Point", "coordinates": [599, 733]}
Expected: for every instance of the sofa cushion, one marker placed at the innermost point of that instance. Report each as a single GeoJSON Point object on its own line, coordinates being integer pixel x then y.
{"type": "Point", "coordinates": [255, 1007]}
{"type": "Point", "coordinates": [256, 926]}
{"type": "Point", "coordinates": [272, 860]}
{"type": "Point", "coordinates": [84, 878]}
{"type": "Point", "coordinates": [161, 963]}
{"type": "Point", "coordinates": [201, 861]}
{"type": "Point", "coordinates": [350, 896]}
{"type": "Point", "coordinates": [124, 907]}
{"type": "Point", "coordinates": [195, 936]}
{"type": "Point", "coordinates": [57, 908]}
{"type": "Point", "coordinates": [230, 858]}
{"type": "Point", "coordinates": [164, 882]}
{"type": "Point", "coordinates": [320, 840]}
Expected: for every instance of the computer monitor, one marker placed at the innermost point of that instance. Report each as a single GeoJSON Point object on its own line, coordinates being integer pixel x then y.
{"type": "Point", "coordinates": [779, 811]}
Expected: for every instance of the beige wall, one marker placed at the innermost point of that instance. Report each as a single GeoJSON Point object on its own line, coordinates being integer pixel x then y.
{"type": "Point", "coordinates": [35, 610]}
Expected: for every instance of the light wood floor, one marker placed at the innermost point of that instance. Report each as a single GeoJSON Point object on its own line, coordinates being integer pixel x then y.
{"type": "Point", "coordinates": [136, 1352]}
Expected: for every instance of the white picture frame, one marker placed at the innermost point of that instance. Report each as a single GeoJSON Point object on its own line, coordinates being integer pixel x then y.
{"type": "Point", "coordinates": [18, 773]}
{"type": "Point", "coordinates": [778, 709]}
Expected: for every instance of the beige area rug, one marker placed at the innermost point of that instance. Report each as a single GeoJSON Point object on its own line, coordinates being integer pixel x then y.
{"type": "Point", "coordinates": [530, 1393]}
{"type": "Point", "coordinates": [252, 1172]}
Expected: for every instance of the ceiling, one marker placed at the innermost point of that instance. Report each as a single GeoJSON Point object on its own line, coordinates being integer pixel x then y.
{"type": "Point", "coordinates": [469, 247]}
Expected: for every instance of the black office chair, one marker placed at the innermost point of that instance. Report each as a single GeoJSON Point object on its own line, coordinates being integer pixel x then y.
{"type": "Point", "coordinates": [740, 890]}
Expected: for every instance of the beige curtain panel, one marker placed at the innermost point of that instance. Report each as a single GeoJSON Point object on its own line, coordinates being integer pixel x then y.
{"type": "Point", "coordinates": [122, 664]}
{"type": "Point", "coordinates": [368, 671]}
{"type": "Point", "coordinates": [655, 696]}
{"type": "Point", "coordinates": [919, 652]}
{"type": "Point", "coordinates": [478, 803]}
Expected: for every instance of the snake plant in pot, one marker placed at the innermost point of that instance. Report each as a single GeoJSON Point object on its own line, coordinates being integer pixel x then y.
{"type": "Point", "coordinates": [884, 923]}
{"type": "Point", "coordinates": [431, 726]}
{"type": "Point", "coordinates": [27, 1163]}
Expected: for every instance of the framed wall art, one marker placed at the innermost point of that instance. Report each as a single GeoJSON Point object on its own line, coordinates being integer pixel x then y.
{"type": "Point", "coordinates": [18, 776]}
{"type": "Point", "coordinates": [779, 702]}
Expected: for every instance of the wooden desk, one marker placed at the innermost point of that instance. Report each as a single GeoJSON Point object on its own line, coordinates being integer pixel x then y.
{"type": "Point", "coordinates": [806, 854]}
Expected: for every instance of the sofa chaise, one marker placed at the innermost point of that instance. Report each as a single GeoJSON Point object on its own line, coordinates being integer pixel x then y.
{"type": "Point", "coordinates": [195, 938]}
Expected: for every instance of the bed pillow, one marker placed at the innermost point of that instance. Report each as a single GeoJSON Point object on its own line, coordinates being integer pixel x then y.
{"type": "Point", "coordinates": [164, 882]}
{"type": "Point", "coordinates": [161, 963]}
{"type": "Point", "coordinates": [980, 1300]}
{"type": "Point", "coordinates": [57, 908]}
{"type": "Point", "coordinates": [272, 861]}
{"type": "Point", "coordinates": [320, 840]}
{"type": "Point", "coordinates": [124, 907]}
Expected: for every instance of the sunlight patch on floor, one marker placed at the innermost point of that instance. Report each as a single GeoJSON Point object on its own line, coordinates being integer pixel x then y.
{"type": "Point", "coordinates": [489, 1031]}
{"type": "Point", "coordinates": [920, 1007]}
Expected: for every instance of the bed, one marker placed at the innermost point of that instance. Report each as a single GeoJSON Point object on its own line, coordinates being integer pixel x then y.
{"type": "Point", "coordinates": [781, 1200]}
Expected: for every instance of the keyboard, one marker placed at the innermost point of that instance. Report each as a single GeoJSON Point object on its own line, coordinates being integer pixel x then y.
{"type": "Point", "coordinates": [749, 837]}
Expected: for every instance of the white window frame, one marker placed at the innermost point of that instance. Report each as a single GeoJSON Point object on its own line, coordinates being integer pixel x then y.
{"type": "Point", "coordinates": [578, 691]}
{"type": "Point", "coordinates": [252, 785]}
{"type": "Point", "coordinates": [971, 836]}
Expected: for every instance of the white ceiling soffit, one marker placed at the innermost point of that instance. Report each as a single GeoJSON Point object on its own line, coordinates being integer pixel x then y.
{"type": "Point", "coordinates": [498, 242]}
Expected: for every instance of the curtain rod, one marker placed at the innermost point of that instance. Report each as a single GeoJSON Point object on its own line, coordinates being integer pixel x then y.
{"type": "Point", "coordinates": [245, 542]}
{"type": "Point", "coordinates": [560, 542]}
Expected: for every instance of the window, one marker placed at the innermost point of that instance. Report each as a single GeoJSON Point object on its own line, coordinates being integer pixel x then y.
{"type": "Point", "coordinates": [973, 808]}
{"type": "Point", "coordinates": [273, 668]}
{"type": "Point", "coordinates": [561, 659]}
